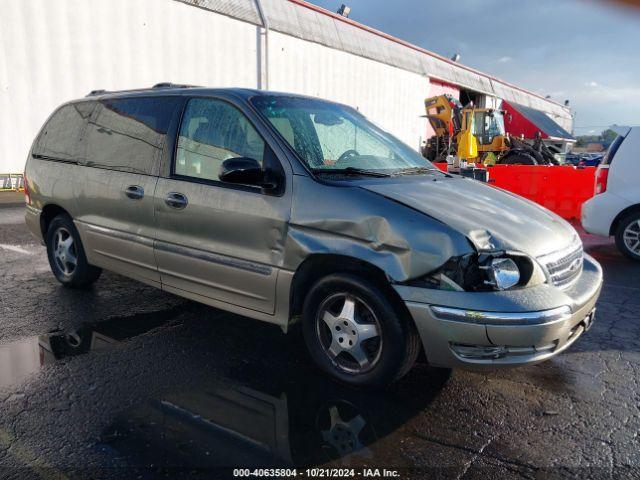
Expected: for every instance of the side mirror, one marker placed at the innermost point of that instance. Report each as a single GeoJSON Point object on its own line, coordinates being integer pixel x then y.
{"type": "Point", "coordinates": [242, 170]}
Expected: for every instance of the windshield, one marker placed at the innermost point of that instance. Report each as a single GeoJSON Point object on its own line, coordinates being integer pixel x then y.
{"type": "Point", "coordinates": [332, 137]}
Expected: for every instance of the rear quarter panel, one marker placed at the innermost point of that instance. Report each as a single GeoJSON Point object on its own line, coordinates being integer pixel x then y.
{"type": "Point", "coordinates": [52, 182]}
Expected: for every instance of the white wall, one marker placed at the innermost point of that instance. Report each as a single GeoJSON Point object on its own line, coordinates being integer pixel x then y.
{"type": "Point", "coordinates": [54, 51]}
{"type": "Point", "coordinates": [390, 97]}
{"type": "Point", "coordinates": [58, 51]}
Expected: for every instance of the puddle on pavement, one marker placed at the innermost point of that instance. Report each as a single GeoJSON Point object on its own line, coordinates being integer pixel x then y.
{"type": "Point", "coordinates": [296, 419]}
{"type": "Point", "coordinates": [24, 357]}
{"type": "Point", "coordinates": [257, 417]}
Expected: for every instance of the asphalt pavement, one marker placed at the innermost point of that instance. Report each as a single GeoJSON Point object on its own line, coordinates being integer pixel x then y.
{"type": "Point", "coordinates": [125, 381]}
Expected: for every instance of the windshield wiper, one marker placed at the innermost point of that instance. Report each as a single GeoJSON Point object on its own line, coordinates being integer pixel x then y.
{"type": "Point", "coordinates": [352, 171]}
{"type": "Point", "coordinates": [416, 171]}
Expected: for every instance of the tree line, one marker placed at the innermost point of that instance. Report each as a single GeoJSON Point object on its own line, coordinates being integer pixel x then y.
{"type": "Point", "coordinates": [606, 137]}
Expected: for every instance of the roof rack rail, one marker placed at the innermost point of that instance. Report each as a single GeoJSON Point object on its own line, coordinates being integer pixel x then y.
{"type": "Point", "coordinates": [172, 85]}
{"type": "Point", "coordinates": [93, 93]}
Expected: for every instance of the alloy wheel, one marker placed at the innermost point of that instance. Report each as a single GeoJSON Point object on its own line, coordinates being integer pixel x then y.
{"type": "Point", "coordinates": [631, 237]}
{"type": "Point", "coordinates": [64, 251]}
{"type": "Point", "coordinates": [349, 333]}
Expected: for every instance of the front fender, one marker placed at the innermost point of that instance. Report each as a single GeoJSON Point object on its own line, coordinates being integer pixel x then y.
{"type": "Point", "coordinates": [351, 221]}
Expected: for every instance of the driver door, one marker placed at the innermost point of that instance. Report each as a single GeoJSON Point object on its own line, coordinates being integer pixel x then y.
{"type": "Point", "coordinates": [217, 242]}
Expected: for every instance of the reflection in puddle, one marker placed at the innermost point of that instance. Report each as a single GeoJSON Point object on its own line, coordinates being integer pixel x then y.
{"type": "Point", "coordinates": [20, 359]}
{"type": "Point", "coordinates": [257, 416]}
{"type": "Point", "coordinates": [269, 421]}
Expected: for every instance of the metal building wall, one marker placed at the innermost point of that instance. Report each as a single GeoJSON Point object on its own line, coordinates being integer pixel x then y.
{"type": "Point", "coordinates": [389, 96]}
{"type": "Point", "coordinates": [51, 52]}
{"type": "Point", "coordinates": [54, 51]}
{"type": "Point", "coordinates": [300, 19]}
{"type": "Point", "coordinates": [57, 51]}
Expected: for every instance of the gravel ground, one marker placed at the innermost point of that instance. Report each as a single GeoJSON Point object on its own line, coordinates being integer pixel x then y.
{"type": "Point", "coordinates": [127, 381]}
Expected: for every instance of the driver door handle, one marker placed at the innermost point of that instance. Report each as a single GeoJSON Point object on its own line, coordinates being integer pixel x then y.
{"type": "Point", "coordinates": [176, 200]}
{"type": "Point", "coordinates": [134, 192]}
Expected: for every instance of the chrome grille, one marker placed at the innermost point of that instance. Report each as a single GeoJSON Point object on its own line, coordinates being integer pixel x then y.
{"type": "Point", "coordinates": [564, 266]}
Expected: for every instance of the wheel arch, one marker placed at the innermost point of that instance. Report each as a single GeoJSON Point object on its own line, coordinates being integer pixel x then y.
{"type": "Point", "coordinates": [616, 221]}
{"type": "Point", "coordinates": [317, 266]}
{"type": "Point", "coordinates": [49, 212]}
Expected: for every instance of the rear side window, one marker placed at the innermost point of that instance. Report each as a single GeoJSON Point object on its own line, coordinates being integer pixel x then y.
{"type": "Point", "coordinates": [61, 138]}
{"type": "Point", "coordinates": [129, 134]}
{"type": "Point", "coordinates": [613, 148]}
{"type": "Point", "coordinates": [213, 131]}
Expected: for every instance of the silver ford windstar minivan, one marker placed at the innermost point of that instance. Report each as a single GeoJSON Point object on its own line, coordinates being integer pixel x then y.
{"type": "Point", "coordinates": [287, 208]}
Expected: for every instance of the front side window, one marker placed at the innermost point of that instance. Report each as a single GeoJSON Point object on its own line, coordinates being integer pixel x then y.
{"type": "Point", "coordinates": [332, 137]}
{"type": "Point", "coordinates": [213, 131]}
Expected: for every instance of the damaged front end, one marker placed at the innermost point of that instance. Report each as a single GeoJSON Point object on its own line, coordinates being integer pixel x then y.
{"type": "Point", "coordinates": [410, 246]}
{"type": "Point", "coordinates": [479, 295]}
{"type": "Point", "coordinates": [402, 242]}
{"type": "Point", "coordinates": [483, 272]}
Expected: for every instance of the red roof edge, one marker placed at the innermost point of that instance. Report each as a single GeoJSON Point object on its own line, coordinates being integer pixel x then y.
{"type": "Point", "coordinates": [517, 124]}
{"type": "Point", "coordinates": [366, 28]}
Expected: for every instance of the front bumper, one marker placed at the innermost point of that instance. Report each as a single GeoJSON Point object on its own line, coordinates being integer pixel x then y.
{"type": "Point", "coordinates": [508, 328]}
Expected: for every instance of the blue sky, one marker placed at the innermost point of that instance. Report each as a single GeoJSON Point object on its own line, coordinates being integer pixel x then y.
{"type": "Point", "coordinates": [585, 51]}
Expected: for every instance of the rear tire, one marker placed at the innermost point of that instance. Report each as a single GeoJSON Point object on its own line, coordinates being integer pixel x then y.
{"type": "Point", "coordinates": [66, 255]}
{"type": "Point", "coordinates": [354, 333]}
{"type": "Point", "coordinates": [628, 236]}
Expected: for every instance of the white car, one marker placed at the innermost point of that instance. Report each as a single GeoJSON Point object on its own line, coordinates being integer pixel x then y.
{"type": "Point", "coordinates": [615, 208]}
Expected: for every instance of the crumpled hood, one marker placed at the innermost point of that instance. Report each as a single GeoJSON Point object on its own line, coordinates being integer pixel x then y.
{"type": "Point", "coordinates": [489, 217]}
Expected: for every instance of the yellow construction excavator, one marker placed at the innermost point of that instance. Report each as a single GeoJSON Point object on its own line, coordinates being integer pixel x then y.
{"type": "Point", "coordinates": [451, 122]}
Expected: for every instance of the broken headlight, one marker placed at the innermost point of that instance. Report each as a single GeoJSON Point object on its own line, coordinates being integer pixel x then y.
{"type": "Point", "coordinates": [483, 272]}
{"type": "Point", "coordinates": [503, 273]}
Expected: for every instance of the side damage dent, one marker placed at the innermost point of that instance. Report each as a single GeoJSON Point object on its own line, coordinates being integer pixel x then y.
{"type": "Point", "coordinates": [403, 242]}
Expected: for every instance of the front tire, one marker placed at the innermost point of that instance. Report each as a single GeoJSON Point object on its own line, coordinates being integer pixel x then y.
{"type": "Point", "coordinates": [628, 236]}
{"type": "Point", "coordinates": [354, 333]}
{"type": "Point", "coordinates": [66, 255]}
